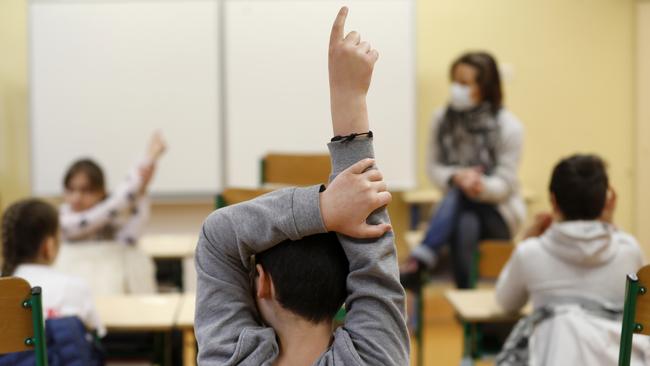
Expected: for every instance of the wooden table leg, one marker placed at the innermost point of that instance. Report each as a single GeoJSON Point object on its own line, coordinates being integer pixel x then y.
{"type": "Point", "coordinates": [189, 348]}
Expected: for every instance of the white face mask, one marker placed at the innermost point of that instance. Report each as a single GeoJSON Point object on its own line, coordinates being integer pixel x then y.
{"type": "Point", "coordinates": [461, 97]}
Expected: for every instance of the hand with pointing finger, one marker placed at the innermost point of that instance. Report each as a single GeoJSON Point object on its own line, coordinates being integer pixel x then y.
{"type": "Point", "coordinates": [351, 63]}
{"type": "Point", "coordinates": [351, 197]}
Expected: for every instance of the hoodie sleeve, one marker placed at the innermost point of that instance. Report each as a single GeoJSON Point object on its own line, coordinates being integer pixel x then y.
{"type": "Point", "coordinates": [511, 290]}
{"type": "Point", "coordinates": [376, 310]}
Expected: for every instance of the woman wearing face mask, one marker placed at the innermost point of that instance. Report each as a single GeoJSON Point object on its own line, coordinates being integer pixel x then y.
{"type": "Point", "coordinates": [473, 156]}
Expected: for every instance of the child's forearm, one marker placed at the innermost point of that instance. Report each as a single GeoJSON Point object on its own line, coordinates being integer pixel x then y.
{"type": "Point", "coordinates": [349, 113]}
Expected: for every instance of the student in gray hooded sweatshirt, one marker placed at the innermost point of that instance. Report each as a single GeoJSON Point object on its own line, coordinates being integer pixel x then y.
{"type": "Point", "coordinates": [277, 309]}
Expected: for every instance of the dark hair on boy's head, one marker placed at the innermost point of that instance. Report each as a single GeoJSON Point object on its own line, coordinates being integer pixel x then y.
{"type": "Point", "coordinates": [580, 186]}
{"type": "Point", "coordinates": [487, 76]}
{"type": "Point", "coordinates": [25, 225]}
{"type": "Point", "coordinates": [309, 275]}
{"type": "Point", "coordinates": [90, 169]}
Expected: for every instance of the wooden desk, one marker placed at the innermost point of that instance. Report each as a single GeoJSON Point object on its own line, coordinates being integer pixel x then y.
{"type": "Point", "coordinates": [175, 253]}
{"type": "Point", "coordinates": [138, 313]}
{"type": "Point", "coordinates": [169, 246]}
{"type": "Point", "coordinates": [480, 306]}
{"type": "Point", "coordinates": [474, 307]}
{"type": "Point", "coordinates": [142, 313]}
{"type": "Point", "coordinates": [185, 322]}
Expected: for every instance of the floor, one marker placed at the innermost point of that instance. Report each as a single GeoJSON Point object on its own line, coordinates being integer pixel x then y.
{"type": "Point", "coordinates": [443, 334]}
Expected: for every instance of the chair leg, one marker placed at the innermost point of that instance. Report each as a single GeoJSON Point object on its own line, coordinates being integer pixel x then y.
{"type": "Point", "coordinates": [36, 305]}
{"type": "Point", "coordinates": [629, 324]}
{"type": "Point", "coordinates": [419, 332]}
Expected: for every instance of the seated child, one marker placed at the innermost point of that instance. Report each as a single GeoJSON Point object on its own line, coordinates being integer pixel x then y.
{"type": "Point", "coordinates": [277, 309]}
{"type": "Point", "coordinates": [30, 245]}
{"type": "Point", "coordinates": [579, 258]}
{"type": "Point", "coordinates": [88, 213]}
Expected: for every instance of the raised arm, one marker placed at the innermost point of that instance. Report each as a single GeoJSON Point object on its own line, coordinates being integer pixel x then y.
{"type": "Point", "coordinates": [376, 319]}
{"type": "Point", "coordinates": [77, 225]}
{"type": "Point", "coordinates": [227, 324]}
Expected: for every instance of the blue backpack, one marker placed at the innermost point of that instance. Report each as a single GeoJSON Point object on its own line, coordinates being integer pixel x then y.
{"type": "Point", "coordinates": [68, 344]}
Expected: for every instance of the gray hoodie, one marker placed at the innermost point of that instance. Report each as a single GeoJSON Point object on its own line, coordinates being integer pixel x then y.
{"type": "Point", "coordinates": [226, 322]}
{"type": "Point", "coordinates": [584, 259]}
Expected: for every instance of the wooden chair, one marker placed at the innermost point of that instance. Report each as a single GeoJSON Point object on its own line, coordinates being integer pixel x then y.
{"type": "Point", "coordinates": [636, 314]}
{"type": "Point", "coordinates": [21, 319]}
{"type": "Point", "coordinates": [489, 259]}
{"type": "Point", "coordinates": [231, 196]}
{"type": "Point", "coordinates": [295, 169]}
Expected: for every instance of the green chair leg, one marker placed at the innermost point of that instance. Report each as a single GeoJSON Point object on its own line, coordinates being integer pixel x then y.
{"type": "Point", "coordinates": [419, 331]}
{"type": "Point", "coordinates": [38, 340]}
{"type": "Point", "coordinates": [632, 290]}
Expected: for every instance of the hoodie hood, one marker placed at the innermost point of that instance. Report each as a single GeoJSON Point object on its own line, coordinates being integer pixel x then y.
{"type": "Point", "coordinates": [588, 243]}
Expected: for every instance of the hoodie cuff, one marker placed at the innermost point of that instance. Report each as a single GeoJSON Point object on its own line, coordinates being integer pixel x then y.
{"type": "Point", "coordinates": [306, 211]}
{"type": "Point", "coordinates": [347, 153]}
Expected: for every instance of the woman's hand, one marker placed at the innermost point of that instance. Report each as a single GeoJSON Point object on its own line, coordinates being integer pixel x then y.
{"type": "Point", "coordinates": [351, 197]}
{"type": "Point", "coordinates": [470, 181]}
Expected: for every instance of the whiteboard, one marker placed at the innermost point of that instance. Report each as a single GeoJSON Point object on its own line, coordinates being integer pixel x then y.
{"type": "Point", "coordinates": [105, 74]}
{"type": "Point", "coordinates": [276, 88]}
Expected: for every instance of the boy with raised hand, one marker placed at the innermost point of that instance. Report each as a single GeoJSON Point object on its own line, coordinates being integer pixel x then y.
{"type": "Point", "coordinates": [277, 308]}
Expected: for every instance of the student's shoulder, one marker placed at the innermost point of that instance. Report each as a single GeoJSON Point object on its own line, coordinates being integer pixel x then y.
{"type": "Point", "coordinates": [528, 249]}
{"type": "Point", "coordinates": [626, 242]}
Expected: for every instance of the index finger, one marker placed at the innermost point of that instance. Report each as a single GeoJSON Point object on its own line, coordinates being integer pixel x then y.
{"type": "Point", "coordinates": [339, 25]}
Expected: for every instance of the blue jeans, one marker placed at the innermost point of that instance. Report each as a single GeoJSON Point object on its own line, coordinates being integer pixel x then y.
{"type": "Point", "coordinates": [462, 223]}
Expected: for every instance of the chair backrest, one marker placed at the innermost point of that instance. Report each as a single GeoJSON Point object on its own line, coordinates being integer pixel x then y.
{"type": "Point", "coordinates": [295, 169]}
{"type": "Point", "coordinates": [489, 259]}
{"type": "Point", "coordinates": [21, 318]}
{"type": "Point", "coordinates": [493, 256]}
{"type": "Point", "coordinates": [231, 196]}
{"type": "Point", "coordinates": [636, 314]}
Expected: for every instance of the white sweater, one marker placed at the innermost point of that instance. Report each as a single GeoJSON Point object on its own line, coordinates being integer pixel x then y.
{"type": "Point", "coordinates": [587, 259]}
{"type": "Point", "coordinates": [500, 188]}
{"type": "Point", "coordinates": [63, 295]}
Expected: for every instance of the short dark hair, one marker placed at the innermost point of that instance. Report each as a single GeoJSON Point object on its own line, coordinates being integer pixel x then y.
{"type": "Point", "coordinates": [309, 275]}
{"type": "Point", "coordinates": [91, 169]}
{"type": "Point", "coordinates": [25, 225]}
{"type": "Point", "coordinates": [580, 185]}
{"type": "Point", "coordinates": [487, 76]}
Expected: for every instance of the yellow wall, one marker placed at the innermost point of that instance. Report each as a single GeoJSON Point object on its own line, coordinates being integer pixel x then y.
{"type": "Point", "coordinates": [573, 85]}
{"type": "Point", "coordinates": [14, 149]}
{"type": "Point", "coordinates": [643, 118]}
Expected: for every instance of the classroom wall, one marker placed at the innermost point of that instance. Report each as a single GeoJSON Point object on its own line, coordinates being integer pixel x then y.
{"type": "Point", "coordinates": [643, 122]}
{"type": "Point", "coordinates": [14, 148]}
{"type": "Point", "coordinates": [573, 79]}
{"type": "Point", "coordinates": [573, 83]}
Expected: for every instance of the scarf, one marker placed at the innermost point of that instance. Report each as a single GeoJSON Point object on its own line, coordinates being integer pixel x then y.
{"type": "Point", "coordinates": [469, 138]}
